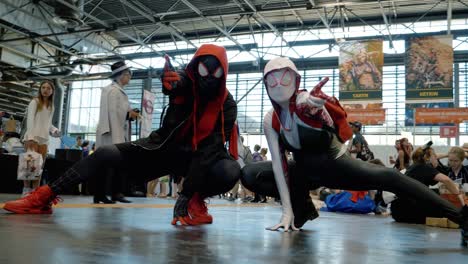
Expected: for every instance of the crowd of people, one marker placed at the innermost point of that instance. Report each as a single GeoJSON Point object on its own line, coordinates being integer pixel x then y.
{"type": "Point", "coordinates": [199, 146]}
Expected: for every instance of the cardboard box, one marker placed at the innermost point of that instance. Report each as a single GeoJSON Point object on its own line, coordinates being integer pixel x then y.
{"type": "Point", "coordinates": [440, 222]}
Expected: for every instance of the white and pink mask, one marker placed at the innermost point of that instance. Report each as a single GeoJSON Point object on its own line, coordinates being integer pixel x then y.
{"type": "Point", "coordinates": [281, 84]}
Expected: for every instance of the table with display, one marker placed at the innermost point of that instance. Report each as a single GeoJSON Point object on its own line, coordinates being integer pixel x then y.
{"type": "Point", "coordinates": [54, 167]}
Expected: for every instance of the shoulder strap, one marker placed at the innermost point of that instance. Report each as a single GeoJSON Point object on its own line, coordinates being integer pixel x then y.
{"type": "Point", "coordinates": [275, 122]}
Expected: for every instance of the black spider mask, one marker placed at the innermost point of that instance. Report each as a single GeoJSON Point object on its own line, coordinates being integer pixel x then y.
{"type": "Point", "coordinates": [209, 75]}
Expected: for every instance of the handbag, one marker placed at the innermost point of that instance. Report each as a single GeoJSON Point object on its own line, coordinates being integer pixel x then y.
{"type": "Point", "coordinates": [30, 165]}
{"type": "Point", "coordinates": [10, 125]}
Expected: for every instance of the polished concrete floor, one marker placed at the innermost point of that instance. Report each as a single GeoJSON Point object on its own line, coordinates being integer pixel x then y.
{"type": "Point", "coordinates": [141, 233]}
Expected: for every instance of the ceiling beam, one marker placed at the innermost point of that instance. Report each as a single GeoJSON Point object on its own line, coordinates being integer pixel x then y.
{"type": "Point", "coordinates": [146, 13]}
{"type": "Point", "coordinates": [33, 56]}
{"type": "Point", "coordinates": [325, 22]}
{"type": "Point", "coordinates": [289, 25]}
{"type": "Point", "coordinates": [138, 10]}
{"type": "Point", "coordinates": [272, 28]}
{"type": "Point", "coordinates": [299, 19]}
{"type": "Point", "coordinates": [353, 21]}
{"type": "Point", "coordinates": [172, 53]}
{"type": "Point", "coordinates": [455, 33]}
{"type": "Point", "coordinates": [174, 30]}
{"type": "Point", "coordinates": [200, 13]}
{"type": "Point", "coordinates": [449, 16]}
{"type": "Point", "coordinates": [108, 26]}
{"type": "Point", "coordinates": [387, 25]}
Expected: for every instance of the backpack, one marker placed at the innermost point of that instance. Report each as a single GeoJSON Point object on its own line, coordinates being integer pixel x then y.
{"type": "Point", "coordinates": [248, 158]}
{"type": "Point", "coordinates": [366, 154]}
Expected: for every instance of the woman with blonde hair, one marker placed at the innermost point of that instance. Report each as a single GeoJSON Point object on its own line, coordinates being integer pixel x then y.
{"type": "Point", "coordinates": [39, 125]}
{"type": "Point", "coordinates": [458, 173]}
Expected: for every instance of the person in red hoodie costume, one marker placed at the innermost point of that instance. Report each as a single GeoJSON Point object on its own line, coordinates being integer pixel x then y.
{"type": "Point", "coordinates": [191, 142]}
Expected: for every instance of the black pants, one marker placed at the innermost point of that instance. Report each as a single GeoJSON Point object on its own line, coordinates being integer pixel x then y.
{"type": "Point", "coordinates": [349, 174]}
{"type": "Point", "coordinates": [147, 165]}
{"type": "Point", "coordinates": [112, 180]}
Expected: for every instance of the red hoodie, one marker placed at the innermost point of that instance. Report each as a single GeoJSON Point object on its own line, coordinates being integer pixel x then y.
{"type": "Point", "coordinates": [204, 126]}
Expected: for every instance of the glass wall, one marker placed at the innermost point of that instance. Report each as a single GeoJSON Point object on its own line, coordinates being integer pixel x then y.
{"type": "Point", "coordinates": [83, 114]}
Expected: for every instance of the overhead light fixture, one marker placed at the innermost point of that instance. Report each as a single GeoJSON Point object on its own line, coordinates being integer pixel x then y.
{"type": "Point", "coordinates": [66, 16]}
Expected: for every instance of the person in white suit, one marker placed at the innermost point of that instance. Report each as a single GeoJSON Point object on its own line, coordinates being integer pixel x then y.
{"type": "Point", "coordinates": [114, 114]}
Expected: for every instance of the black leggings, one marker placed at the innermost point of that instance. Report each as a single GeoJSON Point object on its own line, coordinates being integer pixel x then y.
{"type": "Point", "coordinates": [147, 165]}
{"type": "Point", "coordinates": [350, 174]}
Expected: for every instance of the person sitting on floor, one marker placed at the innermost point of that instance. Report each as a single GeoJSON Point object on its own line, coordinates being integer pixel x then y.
{"type": "Point", "coordinates": [423, 170]}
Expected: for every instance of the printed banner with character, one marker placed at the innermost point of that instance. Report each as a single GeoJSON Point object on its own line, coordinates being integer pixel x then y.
{"type": "Point", "coordinates": [429, 68]}
{"type": "Point", "coordinates": [147, 113]}
{"type": "Point", "coordinates": [360, 65]}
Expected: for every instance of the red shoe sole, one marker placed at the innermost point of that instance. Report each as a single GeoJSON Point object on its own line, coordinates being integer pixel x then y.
{"type": "Point", "coordinates": [19, 210]}
{"type": "Point", "coordinates": [200, 220]}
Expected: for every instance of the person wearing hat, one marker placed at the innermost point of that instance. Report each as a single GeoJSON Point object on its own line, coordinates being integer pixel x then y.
{"type": "Point", "coordinates": [114, 113]}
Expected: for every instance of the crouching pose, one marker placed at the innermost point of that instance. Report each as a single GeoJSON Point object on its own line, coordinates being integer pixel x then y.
{"type": "Point", "coordinates": [191, 143]}
{"type": "Point", "coordinates": [313, 127]}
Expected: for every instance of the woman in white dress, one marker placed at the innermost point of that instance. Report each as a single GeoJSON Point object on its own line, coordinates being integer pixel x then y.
{"type": "Point", "coordinates": [39, 126]}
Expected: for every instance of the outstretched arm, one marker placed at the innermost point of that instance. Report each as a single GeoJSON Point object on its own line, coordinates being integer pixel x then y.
{"type": "Point", "coordinates": [451, 186]}
{"type": "Point", "coordinates": [287, 218]}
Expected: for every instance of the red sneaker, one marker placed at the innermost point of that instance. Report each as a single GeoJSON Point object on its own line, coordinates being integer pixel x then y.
{"type": "Point", "coordinates": [198, 211]}
{"type": "Point", "coordinates": [37, 202]}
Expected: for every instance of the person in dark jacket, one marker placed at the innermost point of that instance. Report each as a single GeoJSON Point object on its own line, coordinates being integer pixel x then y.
{"type": "Point", "coordinates": [191, 143]}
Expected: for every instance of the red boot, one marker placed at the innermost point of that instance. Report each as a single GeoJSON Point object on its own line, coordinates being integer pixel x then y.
{"type": "Point", "coordinates": [198, 211]}
{"type": "Point", "coordinates": [37, 202]}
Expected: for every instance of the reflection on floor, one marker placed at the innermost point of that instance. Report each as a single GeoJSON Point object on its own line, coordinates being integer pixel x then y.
{"type": "Point", "coordinates": [140, 233]}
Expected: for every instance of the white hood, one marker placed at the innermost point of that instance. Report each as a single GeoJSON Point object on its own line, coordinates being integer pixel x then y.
{"type": "Point", "coordinates": [280, 63]}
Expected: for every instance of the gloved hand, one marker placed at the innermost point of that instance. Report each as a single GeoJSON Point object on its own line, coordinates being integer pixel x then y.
{"type": "Point", "coordinates": [310, 100]}
{"type": "Point", "coordinates": [316, 98]}
{"type": "Point", "coordinates": [286, 222]}
{"type": "Point", "coordinates": [169, 77]}
{"type": "Point", "coordinates": [317, 90]}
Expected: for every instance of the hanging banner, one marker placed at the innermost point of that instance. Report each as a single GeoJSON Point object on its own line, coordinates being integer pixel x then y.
{"type": "Point", "coordinates": [410, 109]}
{"type": "Point", "coordinates": [366, 116]}
{"type": "Point", "coordinates": [147, 113]}
{"type": "Point", "coordinates": [448, 131]}
{"type": "Point", "coordinates": [360, 65]}
{"type": "Point", "coordinates": [429, 68]}
{"type": "Point", "coordinates": [440, 115]}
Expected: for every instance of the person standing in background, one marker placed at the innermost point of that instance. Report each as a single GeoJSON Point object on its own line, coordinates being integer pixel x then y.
{"type": "Point", "coordinates": [404, 149]}
{"type": "Point", "coordinates": [263, 153]}
{"type": "Point", "coordinates": [359, 147]}
{"type": "Point", "coordinates": [85, 148]}
{"type": "Point", "coordinates": [261, 198]}
{"type": "Point", "coordinates": [112, 128]}
{"type": "Point", "coordinates": [78, 143]}
{"type": "Point", "coordinates": [256, 156]}
{"type": "Point", "coordinates": [39, 126]}
{"type": "Point", "coordinates": [93, 148]}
